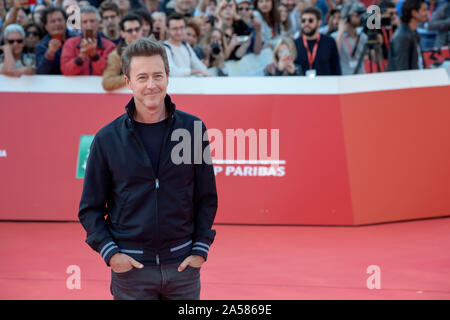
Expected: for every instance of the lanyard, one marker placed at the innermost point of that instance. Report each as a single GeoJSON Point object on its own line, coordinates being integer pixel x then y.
{"type": "Point", "coordinates": [311, 56]}
{"type": "Point", "coordinates": [386, 38]}
{"type": "Point", "coordinates": [350, 50]}
{"type": "Point", "coordinates": [430, 12]}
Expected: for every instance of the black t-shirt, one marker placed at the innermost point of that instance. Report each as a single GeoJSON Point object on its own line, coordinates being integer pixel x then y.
{"type": "Point", "coordinates": [152, 135]}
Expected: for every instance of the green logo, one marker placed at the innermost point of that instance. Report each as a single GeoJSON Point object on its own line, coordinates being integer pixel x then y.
{"type": "Point", "coordinates": [83, 154]}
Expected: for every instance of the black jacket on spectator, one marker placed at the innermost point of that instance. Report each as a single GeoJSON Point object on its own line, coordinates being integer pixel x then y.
{"type": "Point", "coordinates": [44, 65]}
{"type": "Point", "coordinates": [404, 49]}
{"type": "Point", "coordinates": [327, 60]}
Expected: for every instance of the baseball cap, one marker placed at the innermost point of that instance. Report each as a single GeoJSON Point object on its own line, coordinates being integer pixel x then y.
{"type": "Point", "coordinates": [242, 1]}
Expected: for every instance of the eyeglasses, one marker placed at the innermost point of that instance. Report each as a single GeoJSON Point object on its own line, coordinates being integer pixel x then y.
{"type": "Point", "coordinates": [310, 20]}
{"type": "Point", "coordinates": [130, 31]}
{"type": "Point", "coordinates": [32, 33]}
{"type": "Point", "coordinates": [19, 41]}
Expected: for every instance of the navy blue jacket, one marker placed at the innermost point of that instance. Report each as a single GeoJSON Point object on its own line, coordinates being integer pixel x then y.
{"type": "Point", "coordinates": [327, 60]}
{"type": "Point", "coordinates": [44, 65]}
{"type": "Point", "coordinates": [155, 215]}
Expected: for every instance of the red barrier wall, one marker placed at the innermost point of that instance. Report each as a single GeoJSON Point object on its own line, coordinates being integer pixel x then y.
{"type": "Point", "coordinates": [347, 159]}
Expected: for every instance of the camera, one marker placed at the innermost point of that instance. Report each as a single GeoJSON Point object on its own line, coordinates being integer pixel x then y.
{"type": "Point", "coordinates": [215, 48]}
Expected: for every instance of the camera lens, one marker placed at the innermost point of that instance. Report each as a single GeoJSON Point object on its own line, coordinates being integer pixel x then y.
{"type": "Point", "coordinates": [215, 48]}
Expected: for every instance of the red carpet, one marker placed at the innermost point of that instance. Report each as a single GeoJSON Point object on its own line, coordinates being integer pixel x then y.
{"type": "Point", "coordinates": [248, 262]}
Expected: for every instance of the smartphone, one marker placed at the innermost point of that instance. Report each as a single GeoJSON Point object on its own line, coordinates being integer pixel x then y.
{"type": "Point", "coordinates": [89, 34]}
{"type": "Point", "coordinates": [57, 36]}
{"type": "Point", "coordinates": [31, 2]}
{"type": "Point", "coordinates": [242, 39]}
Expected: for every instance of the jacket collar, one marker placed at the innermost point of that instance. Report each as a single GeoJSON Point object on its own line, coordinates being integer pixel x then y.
{"type": "Point", "coordinates": [131, 107]}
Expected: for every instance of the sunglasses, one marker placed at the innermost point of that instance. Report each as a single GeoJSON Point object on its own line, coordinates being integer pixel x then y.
{"type": "Point", "coordinates": [130, 31]}
{"type": "Point", "coordinates": [19, 41]}
{"type": "Point", "coordinates": [244, 9]}
{"type": "Point", "coordinates": [310, 20]}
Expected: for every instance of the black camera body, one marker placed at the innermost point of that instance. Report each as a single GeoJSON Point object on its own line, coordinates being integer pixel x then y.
{"type": "Point", "coordinates": [215, 48]}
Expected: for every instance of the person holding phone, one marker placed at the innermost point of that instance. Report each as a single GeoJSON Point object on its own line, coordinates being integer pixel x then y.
{"type": "Point", "coordinates": [49, 48]}
{"type": "Point", "coordinates": [283, 64]}
{"type": "Point", "coordinates": [86, 54]}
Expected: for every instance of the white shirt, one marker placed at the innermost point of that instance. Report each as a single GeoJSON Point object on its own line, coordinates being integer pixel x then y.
{"type": "Point", "coordinates": [182, 59]}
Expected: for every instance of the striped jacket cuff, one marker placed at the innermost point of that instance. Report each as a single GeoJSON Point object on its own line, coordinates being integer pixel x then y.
{"type": "Point", "coordinates": [108, 250]}
{"type": "Point", "coordinates": [200, 249]}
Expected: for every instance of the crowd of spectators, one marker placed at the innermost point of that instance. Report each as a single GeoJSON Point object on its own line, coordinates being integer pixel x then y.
{"type": "Point", "coordinates": [217, 37]}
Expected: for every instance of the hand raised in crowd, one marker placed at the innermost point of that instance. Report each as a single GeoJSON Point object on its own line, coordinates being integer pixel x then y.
{"type": "Point", "coordinates": [286, 63]}
{"type": "Point", "coordinates": [256, 23]}
{"type": "Point", "coordinates": [88, 48]}
{"type": "Point", "coordinates": [18, 4]}
{"type": "Point", "coordinates": [53, 46]}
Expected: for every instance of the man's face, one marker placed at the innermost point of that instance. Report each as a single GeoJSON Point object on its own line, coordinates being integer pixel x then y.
{"type": "Point", "coordinates": [184, 6]}
{"type": "Point", "coordinates": [334, 21]}
{"type": "Point", "coordinates": [110, 20]}
{"type": "Point", "coordinates": [309, 24]}
{"type": "Point", "coordinates": [422, 14]}
{"type": "Point", "coordinates": [158, 21]}
{"type": "Point", "coordinates": [132, 31]}
{"type": "Point", "coordinates": [124, 5]}
{"type": "Point", "coordinates": [148, 81]}
{"type": "Point", "coordinates": [31, 36]}
{"type": "Point", "coordinates": [290, 4]}
{"type": "Point", "coordinates": [55, 23]}
{"type": "Point", "coordinates": [89, 22]}
{"type": "Point", "coordinates": [176, 29]}
{"type": "Point", "coordinates": [355, 20]}
{"type": "Point", "coordinates": [16, 41]}
{"type": "Point", "coordinates": [190, 36]}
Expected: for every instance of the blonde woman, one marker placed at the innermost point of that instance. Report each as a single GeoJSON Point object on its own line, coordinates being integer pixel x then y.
{"type": "Point", "coordinates": [284, 55]}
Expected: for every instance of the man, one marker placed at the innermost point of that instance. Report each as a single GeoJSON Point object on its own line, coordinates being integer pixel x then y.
{"type": "Point", "coordinates": [440, 22]}
{"type": "Point", "coordinates": [388, 25]}
{"type": "Point", "coordinates": [247, 25]}
{"type": "Point", "coordinates": [334, 16]}
{"type": "Point", "coordinates": [159, 212]}
{"type": "Point", "coordinates": [182, 59]}
{"type": "Point", "coordinates": [349, 42]}
{"type": "Point", "coordinates": [49, 49]}
{"type": "Point", "coordinates": [316, 53]}
{"type": "Point", "coordinates": [404, 51]}
{"type": "Point", "coordinates": [130, 31]}
{"type": "Point", "coordinates": [86, 54]}
{"type": "Point", "coordinates": [110, 15]}
{"type": "Point", "coordinates": [159, 29]}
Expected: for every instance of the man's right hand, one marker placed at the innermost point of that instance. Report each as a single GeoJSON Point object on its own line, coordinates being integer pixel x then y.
{"type": "Point", "coordinates": [121, 262]}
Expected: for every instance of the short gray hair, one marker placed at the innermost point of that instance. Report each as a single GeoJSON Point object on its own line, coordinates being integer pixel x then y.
{"type": "Point", "coordinates": [90, 9]}
{"type": "Point", "coordinates": [13, 28]}
{"type": "Point", "coordinates": [143, 47]}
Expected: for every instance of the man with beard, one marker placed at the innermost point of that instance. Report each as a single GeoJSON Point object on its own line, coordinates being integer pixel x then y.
{"type": "Point", "coordinates": [404, 51]}
{"type": "Point", "coordinates": [110, 14]}
{"type": "Point", "coordinates": [316, 53]}
{"type": "Point", "coordinates": [349, 42]}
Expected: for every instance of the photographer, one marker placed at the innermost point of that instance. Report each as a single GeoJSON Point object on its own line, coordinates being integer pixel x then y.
{"type": "Point", "coordinates": [389, 23]}
{"type": "Point", "coordinates": [349, 42]}
{"type": "Point", "coordinates": [215, 53]}
{"type": "Point", "coordinates": [404, 50]}
{"type": "Point", "coordinates": [246, 37]}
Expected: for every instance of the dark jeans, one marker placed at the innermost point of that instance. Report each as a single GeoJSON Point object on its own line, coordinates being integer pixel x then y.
{"type": "Point", "coordinates": [161, 282]}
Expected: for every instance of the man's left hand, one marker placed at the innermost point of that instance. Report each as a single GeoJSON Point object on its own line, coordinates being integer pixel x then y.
{"type": "Point", "coordinates": [193, 261]}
